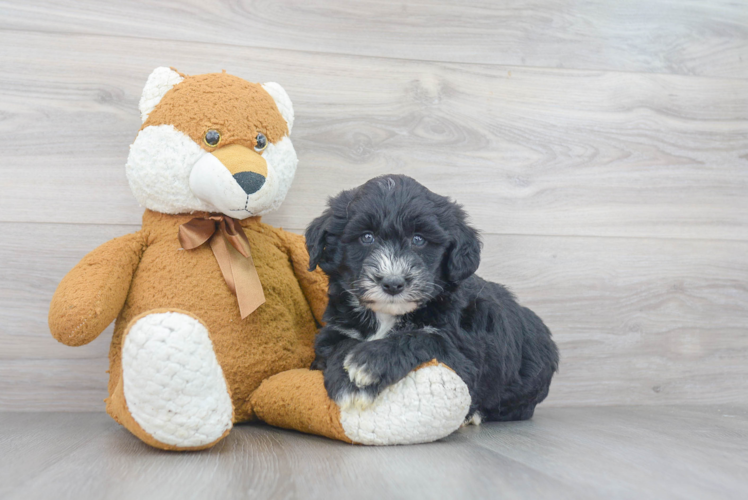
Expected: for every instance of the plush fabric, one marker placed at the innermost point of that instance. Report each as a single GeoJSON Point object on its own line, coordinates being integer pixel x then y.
{"type": "Point", "coordinates": [426, 405]}
{"type": "Point", "coordinates": [236, 108]}
{"type": "Point", "coordinates": [184, 365]}
{"type": "Point", "coordinates": [158, 346]}
{"type": "Point", "coordinates": [296, 399]}
{"type": "Point", "coordinates": [278, 336]}
{"type": "Point", "coordinates": [91, 296]}
{"type": "Point", "coordinates": [158, 84]}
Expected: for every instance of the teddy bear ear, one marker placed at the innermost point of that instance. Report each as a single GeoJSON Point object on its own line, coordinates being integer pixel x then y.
{"type": "Point", "coordinates": [160, 81]}
{"type": "Point", "coordinates": [282, 101]}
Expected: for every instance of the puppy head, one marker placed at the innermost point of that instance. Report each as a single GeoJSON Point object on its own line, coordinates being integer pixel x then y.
{"type": "Point", "coordinates": [213, 143]}
{"type": "Point", "coordinates": [392, 244]}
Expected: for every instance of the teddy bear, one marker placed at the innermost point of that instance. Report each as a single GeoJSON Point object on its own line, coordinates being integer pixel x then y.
{"type": "Point", "coordinates": [216, 312]}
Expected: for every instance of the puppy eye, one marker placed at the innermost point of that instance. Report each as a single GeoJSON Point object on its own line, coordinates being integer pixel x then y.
{"type": "Point", "coordinates": [367, 238]}
{"type": "Point", "coordinates": [418, 241]}
{"type": "Point", "coordinates": [261, 142]}
{"type": "Point", "coordinates": [212, 138]}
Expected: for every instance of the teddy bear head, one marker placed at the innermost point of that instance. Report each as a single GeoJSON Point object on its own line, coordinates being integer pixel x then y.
{"type": "Point", "coordinates": [213, 143]}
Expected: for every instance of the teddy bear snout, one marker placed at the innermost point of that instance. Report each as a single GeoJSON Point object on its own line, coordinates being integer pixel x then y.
{"type": "Point", "coordinates": [248, 167]}
{"type": "Point", "coordinates": [231, 179]}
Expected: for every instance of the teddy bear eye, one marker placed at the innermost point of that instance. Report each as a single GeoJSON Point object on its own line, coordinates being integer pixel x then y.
{"type": "Point", "coordinates": [212, 138]}
{"type": "Point", "coordinates": [261, 142]}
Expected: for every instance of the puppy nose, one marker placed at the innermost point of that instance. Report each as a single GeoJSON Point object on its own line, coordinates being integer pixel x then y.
{"type": "Point", "coordinates": [393, 284]}
{"type": "Point", "coordinates": [250, 182]}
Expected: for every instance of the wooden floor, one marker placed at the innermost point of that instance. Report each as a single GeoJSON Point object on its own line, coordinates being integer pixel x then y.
{"type": "Point", "coordinates": [625, 452]}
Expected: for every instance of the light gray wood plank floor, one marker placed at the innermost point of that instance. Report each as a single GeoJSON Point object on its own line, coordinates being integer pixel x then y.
{"type": "Point", "coordinates": [624, 452]}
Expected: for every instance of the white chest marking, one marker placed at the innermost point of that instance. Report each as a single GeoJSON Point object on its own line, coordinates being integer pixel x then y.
{"type": "Point", "coordinates": [386, 322]}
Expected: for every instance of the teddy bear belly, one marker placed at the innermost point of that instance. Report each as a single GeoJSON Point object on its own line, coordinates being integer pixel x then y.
{"type": "Point", "coordinates": [276, 337]}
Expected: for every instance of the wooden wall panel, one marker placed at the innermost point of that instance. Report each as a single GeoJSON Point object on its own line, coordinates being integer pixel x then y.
{"type": "Point", "coordinates": [528, 151]}
{"type": "Point", "coordinates": [638, 321]}
{"type": "Point", "coordinates": [690, 37]}
{"type": "Point", "coordinates": [601, 149]}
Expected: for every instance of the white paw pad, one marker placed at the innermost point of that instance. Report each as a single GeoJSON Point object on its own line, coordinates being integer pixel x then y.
{"type": "Point", "coordinates": [427, 405]}
{"type": "Point", "coordinates": [174, 387]}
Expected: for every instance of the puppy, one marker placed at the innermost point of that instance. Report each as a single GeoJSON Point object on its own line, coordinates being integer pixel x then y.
{"type": "Point", "coordinates": [401, 263]}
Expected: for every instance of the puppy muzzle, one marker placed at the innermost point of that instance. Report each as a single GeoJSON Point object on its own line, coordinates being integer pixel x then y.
{"type": "Point", "coordinates": [389, 282]}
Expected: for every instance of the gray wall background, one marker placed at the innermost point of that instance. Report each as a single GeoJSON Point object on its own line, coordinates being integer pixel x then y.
{"type": "Point", "coordinates": [601, 149]}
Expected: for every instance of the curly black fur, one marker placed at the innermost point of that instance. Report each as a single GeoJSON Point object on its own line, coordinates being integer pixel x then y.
{"type": "Point", "coordinates": [502, 350]}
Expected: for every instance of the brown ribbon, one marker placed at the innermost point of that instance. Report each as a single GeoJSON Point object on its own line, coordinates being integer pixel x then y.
{"type": "Point", "coordinates": [235, 260]}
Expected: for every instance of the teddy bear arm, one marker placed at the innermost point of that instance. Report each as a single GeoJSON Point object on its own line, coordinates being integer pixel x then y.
{"type": "Point", "coordinates": [92, 294]}
{"type": "Point", "coordinates": [313, 283]}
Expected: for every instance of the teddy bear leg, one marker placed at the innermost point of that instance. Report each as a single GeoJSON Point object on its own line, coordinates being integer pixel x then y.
{"type": "Point", "coordinates": [428, 404]}
{"type": "Point", "coordinates": [172, 393]}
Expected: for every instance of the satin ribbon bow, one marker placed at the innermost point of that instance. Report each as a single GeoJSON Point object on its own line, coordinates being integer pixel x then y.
{"type": "Point", "coordinates": [234, 259]}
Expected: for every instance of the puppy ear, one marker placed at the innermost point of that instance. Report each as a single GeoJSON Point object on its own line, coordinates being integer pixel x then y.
{"type": "Point", "coordinates": [463, 257]}
{"type": "Point", "coordinates": [323, 233]}
{"type": "Point", "coordinates": [316, 236]}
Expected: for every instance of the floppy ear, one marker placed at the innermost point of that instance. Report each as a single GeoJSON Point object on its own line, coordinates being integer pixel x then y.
{"type": "Point", "coordinates": [323, 233]}
{"type": "Point", "coordinates": [282, 100]}
{"type": "Point", "coordinates": [463, 257]}
{"type": "Point", "coordinates": [316, 236]}
{"type": "Point", "coordinates": [160, 81]}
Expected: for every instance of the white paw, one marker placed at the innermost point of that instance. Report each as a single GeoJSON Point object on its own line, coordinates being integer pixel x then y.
{"type": "Point", "coordinates": [174, 387]}
{"type": "Point", "coordinates": [354, 401]}
{"type": "Point", "coordinates": [476, 420]}
{"type": "Point", "coordinates": [427, 405]}
{"type": "Point", "coordinates": [358, 374]}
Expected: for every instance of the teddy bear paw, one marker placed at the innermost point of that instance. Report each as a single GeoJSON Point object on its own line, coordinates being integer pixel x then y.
{"type": "Point", "coordinates": [428, 404]}
{"type": "Point", "coordinates": [173, 385]}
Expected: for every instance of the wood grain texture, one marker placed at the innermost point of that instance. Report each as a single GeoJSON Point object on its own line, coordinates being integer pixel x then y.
{"type": "Point", "coordinates": [632, 452]}
{"type": "Point", "coordinates": [613, 197]}
{"type": "Point", "coordinates": [528, 151]}
{"type": "Point", "coordinates": [35, 258]}
{"type": "Point", "coordinates": [664, 36]}
{"type": "Point", "coordinates": [574, 453]}
{"type": "Point", "coordinates": [32, 442]}
{"type": "Point", "coordinates": [638, 321]}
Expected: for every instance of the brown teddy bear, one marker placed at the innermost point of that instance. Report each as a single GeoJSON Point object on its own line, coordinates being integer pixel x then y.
{"type": "Point", "coordinates": [215, 311]}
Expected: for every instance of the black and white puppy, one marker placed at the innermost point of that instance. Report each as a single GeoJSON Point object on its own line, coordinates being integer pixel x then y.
{"type": "Point", "coordinates": [403, 291]}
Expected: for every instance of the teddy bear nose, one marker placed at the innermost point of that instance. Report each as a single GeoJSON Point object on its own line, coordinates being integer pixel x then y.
{"type": "Point", "coordinates": [250, 182]}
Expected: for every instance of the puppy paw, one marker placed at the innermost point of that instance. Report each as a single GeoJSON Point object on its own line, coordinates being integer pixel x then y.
{"type": "Point", "coordinates": [475, 419]}
{"type": "Point", "coordinates": [376, 365]}
{"type": "Point", "coordinates": [359, 374]}
{"type": "Point", "coordinates": [355, 400]}
{"type": "Point", "coordinates": [342, 388]}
